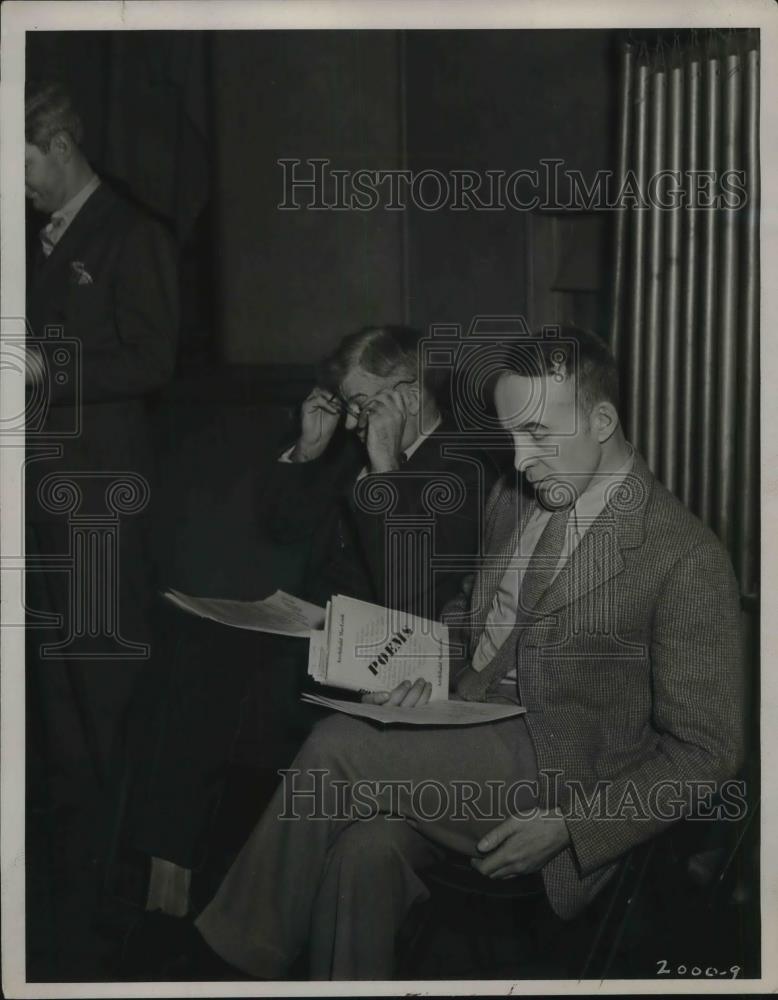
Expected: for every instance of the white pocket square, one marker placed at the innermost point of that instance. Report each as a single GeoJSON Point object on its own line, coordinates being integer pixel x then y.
{"type": "Point", "coordinates": [83, 276]}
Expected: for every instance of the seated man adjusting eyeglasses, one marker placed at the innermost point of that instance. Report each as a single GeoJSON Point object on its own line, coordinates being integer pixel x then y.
{"type": "Point", "coordinates": [371, 387]}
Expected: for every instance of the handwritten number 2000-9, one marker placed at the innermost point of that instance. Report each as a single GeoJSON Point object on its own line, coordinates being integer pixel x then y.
{"type": "Point", "coordinates": [709, 972]}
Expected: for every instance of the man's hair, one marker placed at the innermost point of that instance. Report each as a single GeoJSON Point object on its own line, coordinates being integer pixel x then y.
{"type": "Point", "coordinates": [573, 353]}
{"type": "Point", "coordinates": [378, 350]}
{"type": "Point", "coordinates": [49, 110]}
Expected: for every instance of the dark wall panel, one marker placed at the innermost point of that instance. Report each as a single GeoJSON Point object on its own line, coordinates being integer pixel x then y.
{"type": "Point", "coordinates": [271, 287]}
{"type": "Point", "coordinates": [291, 283]}
{"type": "Point", "coordinates": [496, 100]}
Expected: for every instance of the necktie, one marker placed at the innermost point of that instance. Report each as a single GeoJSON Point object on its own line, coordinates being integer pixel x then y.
{"type": "Point", "coordinates": [538, 575]}
{"type": "Point", "coordinates": [542, 565]}
{"type": "Point", "coordinates": [51, 233]}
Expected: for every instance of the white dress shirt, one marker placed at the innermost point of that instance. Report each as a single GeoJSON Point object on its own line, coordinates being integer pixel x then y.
{"type": "Point", "coordinates": [583, 514]}
{"type": "Point", "coordinates": [57, 225]}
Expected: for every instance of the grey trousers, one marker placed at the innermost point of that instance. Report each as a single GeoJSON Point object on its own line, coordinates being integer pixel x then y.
{"type": "Point", "coordinates": [374, 806]}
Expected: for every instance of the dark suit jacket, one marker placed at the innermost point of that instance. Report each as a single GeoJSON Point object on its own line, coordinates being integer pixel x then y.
{"type": "Point", "coordinates": [125, 323]}
{"type": "Point", "coordinates": [391, 539]}
{"type": "Point", "coordinates": [631, 674]}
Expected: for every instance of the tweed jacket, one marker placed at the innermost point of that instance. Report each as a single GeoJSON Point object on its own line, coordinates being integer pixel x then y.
{"type": "Point", "coordinates": [631, 672]}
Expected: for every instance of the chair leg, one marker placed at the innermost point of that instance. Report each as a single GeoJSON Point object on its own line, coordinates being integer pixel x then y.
{"type": "Point", "coordinates": [589, 961]}
{"type": "Point", "coordinates": [411, 951]}
{"type": "Point", "coordinates": [637, 879]}
{"type": "Point", "coordinates": [115, 826]}
{"type": "Point", "coordinates": [716, 890]}
{"type": "Point", "coordinates": [481, 940]}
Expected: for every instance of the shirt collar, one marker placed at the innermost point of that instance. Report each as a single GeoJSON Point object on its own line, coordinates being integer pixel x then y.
{"type": "Point", "coordinates": [593, 499]}
{"type": "Point", "coordinates": [70, 209]}
{"type": "Point", "coordinates": [422, 438]}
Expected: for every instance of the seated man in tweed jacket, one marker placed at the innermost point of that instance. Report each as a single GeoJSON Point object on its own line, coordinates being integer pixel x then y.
{"type": "Point", "coordinates": [602, 606]}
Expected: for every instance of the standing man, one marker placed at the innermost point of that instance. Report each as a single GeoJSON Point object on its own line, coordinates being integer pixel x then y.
{"type": "Point", "coordinates": [102, 309]}
{"type": "Point", "coordinates": [605, 609]}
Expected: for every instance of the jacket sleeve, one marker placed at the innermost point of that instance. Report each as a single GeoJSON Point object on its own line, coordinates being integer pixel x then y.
{"type": "Point", "coordinates": [697, 666]}
{"type": "Point", "coordinates": [141, 322]}
{"type": "Point", "coordinates": [407, 522]}
{"type": "Point", "coordinates": [297, 494]}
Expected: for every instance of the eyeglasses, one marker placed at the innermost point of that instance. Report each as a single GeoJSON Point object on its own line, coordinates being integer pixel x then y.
{"type": "Point", "coordinates": [354, 410]}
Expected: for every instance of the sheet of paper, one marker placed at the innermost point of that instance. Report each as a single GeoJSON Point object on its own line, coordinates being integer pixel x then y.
{"type": "Point", "coordinates": [326, 641]}
{"type": "Point", "coordinates": [281, 613]}
{"type": "Point", "coordinates": [435, 713]}
{"type": "Point", "coordinates": [317, 656]}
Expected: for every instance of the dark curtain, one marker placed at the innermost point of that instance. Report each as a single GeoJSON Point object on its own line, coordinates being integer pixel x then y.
{"type": "Point", "coordinates": [686, 298]}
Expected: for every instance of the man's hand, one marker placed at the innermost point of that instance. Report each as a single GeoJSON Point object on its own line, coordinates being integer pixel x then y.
{"type": "Point", "coordinates": [405, 695]}
{"type": "Point", "coordinates": [384, 416]}
{"type": "Point", "coordinates": [520, 846]}
{"type": "Point", "coordinates": [320, 416]}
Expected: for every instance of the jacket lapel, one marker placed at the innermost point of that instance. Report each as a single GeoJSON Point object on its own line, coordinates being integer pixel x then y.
{"type": "Point", "coordinates": [598, 557]}
{"type": "Point", "coordinates": [62, 253]}
{"type": "Point", "coordinates": [596, 560]}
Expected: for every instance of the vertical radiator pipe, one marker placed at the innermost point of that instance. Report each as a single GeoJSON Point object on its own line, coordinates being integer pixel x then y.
{"type": "Point", "coordinates": [689, 338]}
{"type": "Point", "coordinates": [729, 273]}
{"type": "Point", "coordinates": [669, 372]}
{"type": "Point", "coordinates": [638, 239]}
{"type": "Point", "coordinates": [622, 213]}
{"type": "Point", "coordinates": [652, 357]}
{"type": "Point", "coordinates": [706, 364]}
{"type": "Point", "coordinates": [748, 378]}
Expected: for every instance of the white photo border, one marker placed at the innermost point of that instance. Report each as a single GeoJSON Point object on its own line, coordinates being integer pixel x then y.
{"type": "Point", "coordinates": [20, 17]}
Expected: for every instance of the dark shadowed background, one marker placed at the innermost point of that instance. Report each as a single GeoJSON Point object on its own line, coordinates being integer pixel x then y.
{"type": "Point", "coordinates": [192, 125]}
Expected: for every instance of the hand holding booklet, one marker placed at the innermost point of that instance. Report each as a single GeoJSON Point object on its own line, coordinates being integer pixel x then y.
{"type": "Point", "coordinates": [364, 647]}
{"type": "Point", "coordinates": [358, 647]}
